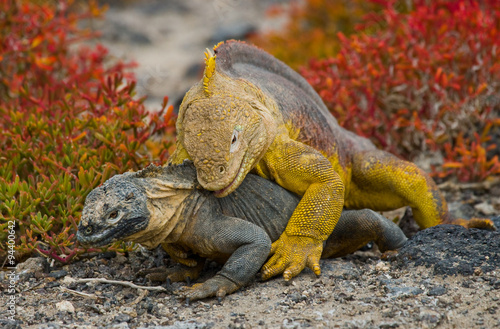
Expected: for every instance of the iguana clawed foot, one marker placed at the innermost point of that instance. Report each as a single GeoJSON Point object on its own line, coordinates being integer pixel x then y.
{"type": "Point", "coordinates": [180, 273]}
{"type": "Point", "coordinates": [217, 286]}
{"type": "Point", "coordinates": [291, 254]}
{"type": "Point", "coordinates": [179, 255]}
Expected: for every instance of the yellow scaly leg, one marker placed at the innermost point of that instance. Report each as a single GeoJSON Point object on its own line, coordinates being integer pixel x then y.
{"type": "Point", "coordinates": [302, 170]}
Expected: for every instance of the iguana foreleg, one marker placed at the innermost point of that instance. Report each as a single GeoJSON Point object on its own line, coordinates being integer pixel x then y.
{"type": "Point", "coordinates": [219, 237]}
{"type": "Point", "coordinates": [303, 170]}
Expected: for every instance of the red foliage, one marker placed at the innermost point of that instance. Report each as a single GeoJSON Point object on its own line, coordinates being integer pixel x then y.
{"type": "Point", "coordinates": [311, 28]}
{"type": "Point", "coordinates": [68, 121]}
{"type": "Point", "coordinates": [420, 78]}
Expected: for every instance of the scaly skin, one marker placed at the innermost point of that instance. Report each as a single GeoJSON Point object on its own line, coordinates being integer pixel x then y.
{"type": "Point", "coordinates": [164, 205]}
{"type": "Point", "coordinates": [252, 112]}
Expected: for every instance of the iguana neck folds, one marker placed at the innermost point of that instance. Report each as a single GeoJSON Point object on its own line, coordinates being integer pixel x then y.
{"type": "Point", "coordinates": [160, 230]}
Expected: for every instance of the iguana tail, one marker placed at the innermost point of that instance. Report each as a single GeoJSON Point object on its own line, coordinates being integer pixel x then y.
{"type": "Point", "coordinates": [480, 223]}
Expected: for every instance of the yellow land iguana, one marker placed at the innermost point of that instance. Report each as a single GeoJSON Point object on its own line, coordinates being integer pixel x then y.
{"type": "Point", "coordinates": [165, 205]}
{"type": "Point", "coordinates": [251, 112]}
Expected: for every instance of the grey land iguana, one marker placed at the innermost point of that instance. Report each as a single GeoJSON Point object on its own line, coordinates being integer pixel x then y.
{"type": "Point", "coordinates": [166, 205]}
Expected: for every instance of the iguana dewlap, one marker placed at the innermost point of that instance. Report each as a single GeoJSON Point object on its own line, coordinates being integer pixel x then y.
{"type": "Point", "coordinates": [252, 112]}
{"type": "Point", "coordinates": [164, 205]}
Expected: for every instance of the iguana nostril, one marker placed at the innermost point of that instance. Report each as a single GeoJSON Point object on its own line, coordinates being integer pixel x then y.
{"type": "Point", "coordinates": [222, 169]}
{"type": "Point", "coordinates": [88, 230]}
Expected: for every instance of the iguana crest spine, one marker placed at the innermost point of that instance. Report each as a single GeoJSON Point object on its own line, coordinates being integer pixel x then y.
{"type": "Point", "coordinates": [209, 70]}
{"type": "Point", "coordinates": [209, 67]}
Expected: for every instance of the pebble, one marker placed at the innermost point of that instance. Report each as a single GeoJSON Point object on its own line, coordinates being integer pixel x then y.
{"type": "Point", "coordinates": [485, 208]}
{"type": "Point", "coordinates": [396, 291]}
{"type": "Point", "coordinates": [122, 318]}
{"type": "Point", "coordinates": [120, 259]}
{"type": "Point", "coordinates": [58, 274]}
{"type": "Point", "coordinates": [68, 280]}
{"type": "Point", "coordinates": [65, 306]}
{"type": "Point", "coordinates": [31, 265]}
{"type": "Point", "coordinates": [121, 325]}
{"type": "Point", "coordinates": [131, 311]}
{"type": "Point", "coordinates": [429, 316]}
{"type": "Point", "coordinates": [382, 267]}
{"type": "Point", "coordinates": [437, 291]}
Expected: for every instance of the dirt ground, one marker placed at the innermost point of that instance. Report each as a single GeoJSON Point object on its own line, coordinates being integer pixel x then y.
{"type": "Point", "coordinates": [444, 277]}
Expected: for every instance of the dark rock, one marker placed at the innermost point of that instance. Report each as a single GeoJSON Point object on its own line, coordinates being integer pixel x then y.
{"type": "Point", "coordinates": [10, 324]}
{"type": "Point", "coordinates": [451, 250]}
{"type": "Point", "coordinates": [342, 271]}
{"type": "Point", "coordinates": [437, 291]}
{"type": "Point", "coordinates": [395, 291]}
{"type": "Point", "coordinates": [107, 255]}
{"type": "Point", "coordinates": [58, 274]}
{"type": "Point", "coordinates": [52, 284]}
{"type": "Point", "coordinates": [296, 297]}
{"type": "Point", "coordinates": [467, 283]}
{"type": "Point", "coordinates": [122, 318]}
{"type": "Point", "coordinates": [407, 224]}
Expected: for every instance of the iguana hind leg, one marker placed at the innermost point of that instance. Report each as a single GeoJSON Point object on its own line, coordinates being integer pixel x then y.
{"type": "Point", "coordinates": [179, 273]}
{"type": "Point", "coordinates": [179, 254]}
{"type": "Point", "coordinates": [381, 181]}
{"type": "Point", "coordinates": [356, 228]}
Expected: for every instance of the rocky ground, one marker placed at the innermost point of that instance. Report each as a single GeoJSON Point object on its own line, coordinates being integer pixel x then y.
{"type": "Point", "coordinates": [445, 277]}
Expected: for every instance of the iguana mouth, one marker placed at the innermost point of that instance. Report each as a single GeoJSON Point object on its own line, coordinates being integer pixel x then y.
{"type": "Point", "coordinates": [236, 181]}
{"type": "Point", "coordinates": [115, 233]}
{"type": "Point", "coordinates": [231, 187]}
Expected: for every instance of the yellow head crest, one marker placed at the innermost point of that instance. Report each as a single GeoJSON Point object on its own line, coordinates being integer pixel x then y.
{"type": "Point", "coordinates": [209, 69]}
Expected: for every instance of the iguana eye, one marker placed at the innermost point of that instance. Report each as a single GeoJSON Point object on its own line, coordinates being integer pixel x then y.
{"type": "Point", "coordinates": [234, 140]}
{"type": "Point", "coordinates": [88, 230]}
{"type": "Point", "coordinates": [113, 214]}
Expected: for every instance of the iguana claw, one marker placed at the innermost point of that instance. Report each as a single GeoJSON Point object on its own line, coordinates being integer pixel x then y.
{"type": "Point", "coordinates": [291, 254]}
{"type": "Point", "coordinates": [179, 255]}
{"type": "Point", "coordinates": [217, 286]}
{"type": "Point", "coordinates": [178, 274]}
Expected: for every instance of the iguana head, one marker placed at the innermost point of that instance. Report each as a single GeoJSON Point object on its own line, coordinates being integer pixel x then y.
{"type": "Point", "coordinates": [113, 211]}
{"type": "Point", "coordinates": [140, 207]}
{"type": "Point", "coordinates": [225, 137]}
{"type": "Point", "coordinates": [225, 127]}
